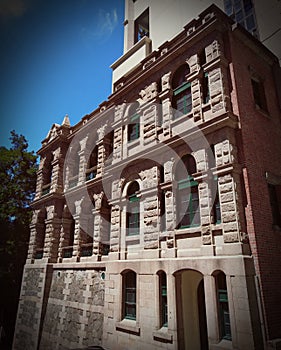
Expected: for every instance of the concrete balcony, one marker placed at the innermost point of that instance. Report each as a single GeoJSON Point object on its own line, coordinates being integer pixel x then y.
{"type": "Point", "coordinates": [131, 59]}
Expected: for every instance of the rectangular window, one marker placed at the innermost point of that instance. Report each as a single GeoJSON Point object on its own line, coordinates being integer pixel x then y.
{"type": "Point", "coordinates": [182, 100]}
{"type": "Point", "coordinates": [163, 300]}
{"type": "Point", "coordinates": [134, 128]}
{"type": "Point", "coordinates": [189, 210]}
{"type": "Point", "coordinates": [133, 216]}
{"type": "Point", "coordinates": [275, 200]}
{"type": "Point", "coordinates": [205, 88]}
{"type": "Point", "coordinates": [223, 307]}
{"type": "Point", "coordinates": [224, 314]}
{"type": "Point", "coordinates": [129, 280]}
{"type": "Point", "coordinates": [259, 94]}
{"type": "Point", "coordinates": [142, 26]}
{"type": "Point", "coordinates": [216, 209]}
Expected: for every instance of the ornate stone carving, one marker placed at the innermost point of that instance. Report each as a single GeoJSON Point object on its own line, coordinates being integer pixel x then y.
{"type": "Point", "coordinates": [98, 199]}
{"type": "Point", "coordinates": [166, 81]}
{"type": "Point", "coordinates": [101, 131]}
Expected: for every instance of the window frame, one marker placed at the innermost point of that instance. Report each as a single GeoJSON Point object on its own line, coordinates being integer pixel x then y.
{"type": "Point", "coordinates": [187, 192]}
{"type": "Point", "coordinates": [134, 127]}
{"type": "Point", "coordinates": [133, 210]}
{"type": "Point", "coordinates": [132, 289]}
{"type": "Point", "coordinates": [274, 204]}
{"type": "Point", "coordinates": [259, 94]}
{"type": "Point", "coordinates": [140, 23]}
{"type": "Point", "coordinates": [182, 94]}
{"type": "Point", "coordinates": [163, 300]}
{"type": "Point", "coordinates": [223, 306]}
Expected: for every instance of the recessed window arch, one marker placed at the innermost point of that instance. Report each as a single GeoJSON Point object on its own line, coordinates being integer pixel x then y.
{"type": "Point", "coordinates": [182, 98]}
{"type": "Point", "coordinates": [129, 296]}
{"type": "Point", "coordinates": [223, 306]}
{"type": "Point", "coordinates": [133, 209]}
{"type": "Point", "coordinates": [188, 209]}
{"type": "Point", "coordinates": [133, 122]}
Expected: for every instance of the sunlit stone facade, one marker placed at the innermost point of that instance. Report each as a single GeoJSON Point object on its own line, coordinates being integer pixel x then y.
{"type": "Point", "coordinates": [156, 222]}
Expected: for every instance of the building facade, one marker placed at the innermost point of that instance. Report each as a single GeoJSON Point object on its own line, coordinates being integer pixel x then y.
{"type": "Point", "coordinates": [156, 218]}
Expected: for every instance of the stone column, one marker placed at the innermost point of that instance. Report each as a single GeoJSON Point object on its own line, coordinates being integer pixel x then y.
{"type": "Point", "coordinates": [35, 229]}
{"type": "Point", "coordinates": [52, 234]}
{"type": "Point", "coordinates": [167, 111]}
{"type": "Point", "coordinates": [169, 196]}
{"type": "Point", "coordinates": [229, 212]}
{"type": "Point", "coordinates": [64, 236]}
{"type": "Point", "coordinates": [39, 180]}
{"type": "Point", "coordinates": [101, 149]}
{"type": "Point", "coordinates": [211, 309]}
{"type": "Point", "coordinates": [84, 154]}
{"type": "Point", "coordinates": [196, 99]}
{"type": "Point", "coordinates": [118, 133]}
{"type": "Point", "coordinates": [57, 171]}
{"type": "Point", "coordinates": [150, 210]}
{"type": "Point", "coordinates": [172, 305]}
{"type": "Point", "coordinates": [53, 227]}
{"type": "Point", "coordinates": [115, 228]}
{"type": "Point", "coordinates": [118, 144]}
{"type": "Point", "coordinates": [216, 90]}
{"type": "Point", "coordinates": [149, 123]}
{"type": "Point", "coordinates": [80, 236]}
{"type": "Point", "coordinates": [101, 158]}
{"type": "Point", "coordinates": [204, 202]}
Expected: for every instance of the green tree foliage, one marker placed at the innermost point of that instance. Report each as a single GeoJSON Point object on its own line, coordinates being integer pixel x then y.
{"type": "Point", "coordinates": [17, 186]}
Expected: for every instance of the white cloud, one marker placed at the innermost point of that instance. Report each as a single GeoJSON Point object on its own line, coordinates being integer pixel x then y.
{"type": "Point", "coordinates": [103, 26]}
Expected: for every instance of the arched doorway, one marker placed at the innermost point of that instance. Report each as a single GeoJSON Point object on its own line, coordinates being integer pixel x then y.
{"type": "Point", "coordinates": [191, 310]}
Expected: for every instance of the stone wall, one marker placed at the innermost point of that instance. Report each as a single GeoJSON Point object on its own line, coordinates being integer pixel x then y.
{"type": "Point", "coordinates": [74, 314]}
{"type": "Point", "coordinates": [30, 308]}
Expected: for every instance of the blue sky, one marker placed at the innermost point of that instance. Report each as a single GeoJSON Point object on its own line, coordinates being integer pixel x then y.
{"type": "Point", "coordinates": [54, 60]}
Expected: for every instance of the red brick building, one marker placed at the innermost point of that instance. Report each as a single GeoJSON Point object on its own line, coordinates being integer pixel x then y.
{"type": "Point", "coordinates": [157, 217]}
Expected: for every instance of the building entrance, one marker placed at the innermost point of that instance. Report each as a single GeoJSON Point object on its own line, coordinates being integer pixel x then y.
{"type": "Point", "coordinates": [191, 311]}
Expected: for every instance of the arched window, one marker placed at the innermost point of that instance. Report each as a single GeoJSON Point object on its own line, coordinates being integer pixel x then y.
{"type": "Point", "coordinates": [163, 305]}
{"type": "Point", "coordinates": [129, 295]}
{"type": "Point", "coordinates": [91, 171]}
{"type": "Point", "coordinates": [133, 210]}
{"type": "Point", "coordinates": [182, 99]}
{"type": "Point", "coordinates": [134, 123]}
{"type": "Point", "coordinates": [188, 210]}
{"type": "Point", "coordinates": [223, 307]}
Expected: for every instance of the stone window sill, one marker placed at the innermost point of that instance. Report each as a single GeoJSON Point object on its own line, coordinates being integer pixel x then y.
{"type": "Point", "coordinates": [186, 230]}
{"type": "Point", "coordinates": [133, 143]}
{"type": "Point", "coordinates": [128, 326]}
{"type": "Point", "coordinates": [162, 335]}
